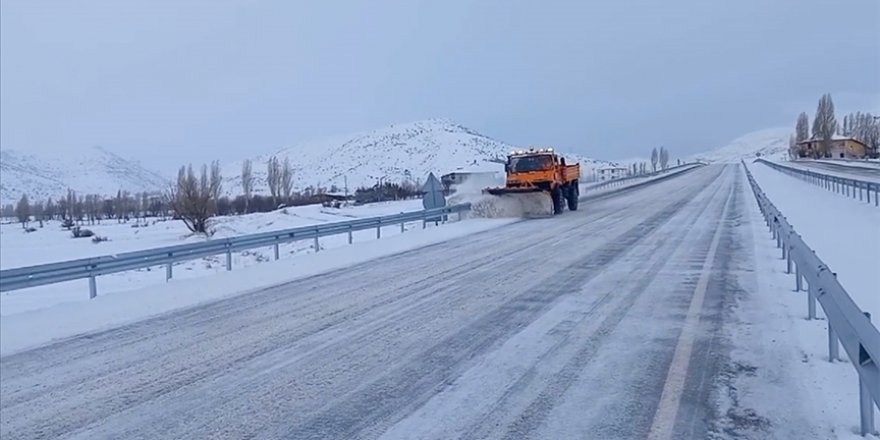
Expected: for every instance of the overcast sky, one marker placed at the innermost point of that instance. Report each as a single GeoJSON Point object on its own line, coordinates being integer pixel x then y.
{"type": "Point", "coordinates": [177, 81]}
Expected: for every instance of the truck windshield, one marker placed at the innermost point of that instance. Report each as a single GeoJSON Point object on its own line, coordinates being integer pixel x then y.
{"type": "Point", "coordinates": [530, 163]}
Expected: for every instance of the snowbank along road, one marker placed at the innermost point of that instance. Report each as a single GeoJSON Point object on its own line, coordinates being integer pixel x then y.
{"type": "Point", "coordinates": [601, 323]}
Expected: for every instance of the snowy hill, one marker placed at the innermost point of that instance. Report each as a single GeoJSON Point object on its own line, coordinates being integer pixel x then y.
{"type": "Point", "coordinates": [770, 142]}
{"type": "Point", "coordinates": [397, 153]}
{"type": "Point", "coordinates": [86, 171]}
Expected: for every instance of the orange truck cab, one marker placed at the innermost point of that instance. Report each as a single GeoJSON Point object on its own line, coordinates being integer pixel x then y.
{"type": "Point", "coordinates": [541, 170]}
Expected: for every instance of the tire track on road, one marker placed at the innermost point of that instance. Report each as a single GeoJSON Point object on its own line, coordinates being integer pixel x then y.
{"type": "Point", "coordinates": [416, 382]}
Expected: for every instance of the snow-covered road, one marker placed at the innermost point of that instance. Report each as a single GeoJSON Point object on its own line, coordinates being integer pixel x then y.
{"type": "Point", "coordinates": [608, 322]}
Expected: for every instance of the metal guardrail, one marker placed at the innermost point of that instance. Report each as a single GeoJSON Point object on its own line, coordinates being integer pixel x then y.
{"type": "Point", "coordinates": [847, 324]}
{"type": "Point", "coordinates": [840, 185]}
{"type": "Point", "coordinates": [91, 268]}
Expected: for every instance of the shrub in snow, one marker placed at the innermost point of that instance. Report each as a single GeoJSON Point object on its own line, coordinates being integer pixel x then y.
{"type": "Point", "coordinates": [78, 232]}
{"type": "Point", "coordinates": [30, 229]}
{"type": "Point", "coordinates": [67, 224]}
{"type": "Point", "coordinates": [97, 239]}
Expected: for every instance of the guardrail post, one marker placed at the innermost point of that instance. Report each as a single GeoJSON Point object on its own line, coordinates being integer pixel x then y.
{"type": "Point", "coordinates": [228, 257]}
{"type": "Point", "coordinates": [402, 227]}
{"type": "Point", "coordinates": [424, 223]}
{"type": "Point", "coordinates": [811, 303]}
{"type": "Point", "coordinates": [787, 249]}
{"type": "Point", "coordinates": [93, 287]}
{"type": "Point", "coordinates": [317, 243]}
{"type": "Point", "coordinates": [168, 270]}
{"type": "Point", "coordinates": [866, 406]}
{"type": "Point", "coordinates": [833, 346]}
{"type": "Point", "coordinates": [277, 251]}
{"type": "Point", "coordinates": [379, 230]}
{"type": "Point", "coordinates": [784, 249]}
{"type": "Point", "coordinates": [350, 236]}
{"type": "Point", "coordinates": [798, 278]}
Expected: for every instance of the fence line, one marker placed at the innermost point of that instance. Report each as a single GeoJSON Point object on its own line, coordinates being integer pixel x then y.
{"type": "Point", "coordinates": [840, 185]}
{"type": "Point", "coordinates": [91, 268]}
{"type": "Point", "coordinates": [847, 324]}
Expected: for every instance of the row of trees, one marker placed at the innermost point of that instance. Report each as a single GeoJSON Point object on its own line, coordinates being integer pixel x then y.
{"type": "Point", "coordinates": [196, 196]}
{"type": "Point", "coordinates": [196, 199]}
{"type": "Point", "coordinates": [661, 158]}
{"type": "Point", "coordinates": [863, 127]}
{"type": "Point", "coordinates": [89, 208]}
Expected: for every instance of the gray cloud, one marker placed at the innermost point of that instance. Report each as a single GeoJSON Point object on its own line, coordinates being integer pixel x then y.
{"type": "Point", "coordinates": [171, 82]}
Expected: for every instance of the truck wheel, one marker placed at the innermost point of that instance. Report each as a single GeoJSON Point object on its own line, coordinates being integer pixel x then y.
{"type": "Point", "coordinates": [572, 195]}
{"type": "Point", "coordinates": [558, 202]}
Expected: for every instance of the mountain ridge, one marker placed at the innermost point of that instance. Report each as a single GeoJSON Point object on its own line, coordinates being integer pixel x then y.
{"type": "Point", "coordinates": [397, 153]}
{"type": "Point", "coordinates": [769, 142]}
{"type": "Point", "coordinates": [93, 170]}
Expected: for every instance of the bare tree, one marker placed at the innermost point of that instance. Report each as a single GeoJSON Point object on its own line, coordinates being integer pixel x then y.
{"type": "Point", "coordinates": [71, 201]}
{"type": "Point", "coordinates": [78, 208]}
{"type": "Point", "coordinates": [120, 206]}
{"type": "Point", "coordinates": [273, 179]}
{"type": "Point", "coordinates": [247, 182]}
{"type": "Point", "coordinates": [792, 147]}
{"type": "Point", "coordinates": [825, 124]}
{"type": "Point", "coordinates": [655, 157]}
{"type": "Point", "coordinates": [191, 199]}
{"type": "Point", "coordinates": [864, 128]}
{"type": "Point", "coordinates": [216, 184]}
{"type": "Point", "coordinates": [50, 210]}
{"type": "Point", "coordinates": [286, 180]}
{"type": "Point", "coordinates": [802, 128]}
{"type": "Point", "coordinates": [664, 158]}
{"type": "Point", "coordinates": [23, 210]}
{"type": "Point", "coordinates": [37, 211]}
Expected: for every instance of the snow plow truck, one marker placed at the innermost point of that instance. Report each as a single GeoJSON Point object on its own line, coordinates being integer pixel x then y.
{"type": "Point", "coordinates": [540, 181]}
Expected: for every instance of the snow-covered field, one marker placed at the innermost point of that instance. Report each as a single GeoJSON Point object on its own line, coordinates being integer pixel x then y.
{"type": "Point", "coordinates": [845, 233]}
{"type": "Point", "coordinates": [52, 243]}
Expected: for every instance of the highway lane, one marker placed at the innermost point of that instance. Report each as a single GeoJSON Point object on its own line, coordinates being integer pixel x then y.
{"type": "Point", "coordinates": [600, 323]}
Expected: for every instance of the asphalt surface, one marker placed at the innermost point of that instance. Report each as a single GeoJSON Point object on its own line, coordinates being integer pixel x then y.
{"type": "Point", "coordinates": [854, 172]}
{"type": "Point", "coordinates": [601, 323]}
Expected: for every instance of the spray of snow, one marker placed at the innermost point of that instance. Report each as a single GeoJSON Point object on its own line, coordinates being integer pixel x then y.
{"type": "Point", "coordinates": [492, 206]}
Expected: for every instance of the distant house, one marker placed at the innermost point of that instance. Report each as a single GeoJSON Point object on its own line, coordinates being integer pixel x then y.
{"type": "Point", "coordinates": [611, 172]}
{"type": "Point", "coordinates": [842, 147]}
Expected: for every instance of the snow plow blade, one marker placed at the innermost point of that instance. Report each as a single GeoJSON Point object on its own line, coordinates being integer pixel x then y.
{"type": "Point", "coordinates": [514, 202]}
{"type": "Point", "coordinates": [503, 191]}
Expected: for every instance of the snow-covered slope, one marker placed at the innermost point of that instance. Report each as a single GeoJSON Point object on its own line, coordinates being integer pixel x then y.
{"type": "Point", "coordinates": [397, 153]}
{"type": "Point", "coordinates": [770, 142]}
{"type": "Point", "coordinates": [86, 171]}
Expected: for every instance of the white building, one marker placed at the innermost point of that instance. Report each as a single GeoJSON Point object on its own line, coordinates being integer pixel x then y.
{"type": "Point", "coordinates": [609, 172]}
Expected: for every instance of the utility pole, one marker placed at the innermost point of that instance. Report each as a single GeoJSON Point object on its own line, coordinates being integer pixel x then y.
{"type": "Point", "coordinates": [346, 186]}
